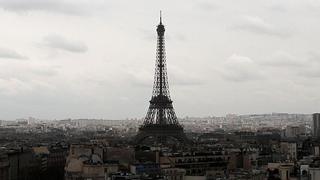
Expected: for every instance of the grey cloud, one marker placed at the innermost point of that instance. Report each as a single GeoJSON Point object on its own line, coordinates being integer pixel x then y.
{"type": "Point", "coordinates": [277, 7]}
{"type": "Point", "coordinates": [310, 73]}
{"type": "Point", "coordinates": [284, 59]}
{"type": "Point", "coordinates": [258, 25]}
{"type": "Point", "coordinates": [148, 35]}
{"type": "Point", "coordinates": [180, 37]}
{"type": "Point", "coordinates": [59, 6]}
{"type": "Point", "coordinates": [44, 72]}
{"type": "Point", "coordinates": [313, 6]}
{"type": "Point", "coordinates": [139, 78]}
{"type": "Point", "coordinates": [177, 80]}
{"type": "Point", "coordinates": [12, 86]}
{"type": "Point", "coordinates": [314, 57]}
{"type": "Point", "coordinates": [312, 68]}
{"type": "Point", "coordinates": [59, 42]}
{"type": "Point", "coordinates": [240, 69]}
{"type": "Point", "coordinates": [206, 5]}
{"type": "Point", "coordinates": [27, 71]}
{"type": "Point", "coordinates": [10, 54]}
{"type": "Point", "coordinates": [180, 77]}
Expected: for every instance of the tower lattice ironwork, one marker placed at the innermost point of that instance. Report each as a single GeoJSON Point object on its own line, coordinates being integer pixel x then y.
{"type": "Point", "coordinates": [161, 121]}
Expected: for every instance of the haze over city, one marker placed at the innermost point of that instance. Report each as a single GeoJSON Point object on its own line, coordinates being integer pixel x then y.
{"type": "Point", "coordinates": [95, 59]}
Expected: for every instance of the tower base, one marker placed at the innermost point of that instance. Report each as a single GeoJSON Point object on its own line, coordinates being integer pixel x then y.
{"type": "Point", "coordinates": [161, 132]}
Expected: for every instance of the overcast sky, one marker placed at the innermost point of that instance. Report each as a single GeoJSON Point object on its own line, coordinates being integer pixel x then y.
{"type": "Point", "coordinates": [95, 58]}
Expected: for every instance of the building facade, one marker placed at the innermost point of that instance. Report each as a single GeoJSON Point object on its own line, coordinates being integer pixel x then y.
{"type": "Point", "coordinates": [316, 124]}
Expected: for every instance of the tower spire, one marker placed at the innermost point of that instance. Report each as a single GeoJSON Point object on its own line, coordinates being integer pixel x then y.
{"type": "Point", "coordinates": [160, 17]}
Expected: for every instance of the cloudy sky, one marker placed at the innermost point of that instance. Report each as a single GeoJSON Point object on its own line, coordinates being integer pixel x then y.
{"type": "Point", "coordinates": [95, 58]}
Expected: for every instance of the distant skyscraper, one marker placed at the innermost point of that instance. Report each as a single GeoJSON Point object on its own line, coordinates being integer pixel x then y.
{"type": "Point", "coordinates": [316, 124]}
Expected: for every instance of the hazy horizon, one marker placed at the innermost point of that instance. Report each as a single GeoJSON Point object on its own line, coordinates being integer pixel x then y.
{"type": "Point", "coordinates": [141, 118]}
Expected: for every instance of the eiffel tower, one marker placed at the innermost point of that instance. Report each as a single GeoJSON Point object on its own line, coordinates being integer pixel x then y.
{"type": "Point", "coordinates": [161, 121]}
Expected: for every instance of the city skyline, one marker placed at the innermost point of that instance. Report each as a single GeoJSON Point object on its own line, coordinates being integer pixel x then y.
{"type": "Point", "coordinates": [80, 59]}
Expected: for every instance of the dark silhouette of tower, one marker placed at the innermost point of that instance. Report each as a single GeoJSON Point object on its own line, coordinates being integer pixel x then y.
{"type": "Point", "coordinates": [161, 121]}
